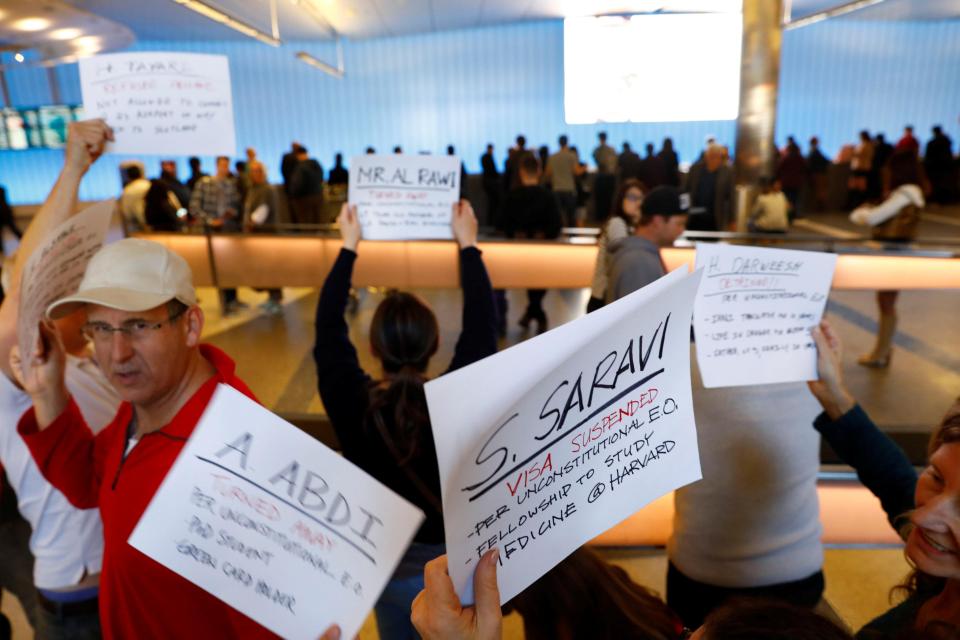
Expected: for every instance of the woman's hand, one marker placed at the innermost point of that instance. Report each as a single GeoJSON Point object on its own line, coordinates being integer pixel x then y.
{"type": "Point", "coordinates": [829, 389]}
{"type": "Point", "coordinates": [438, 615]}
{"type": "Point", "coordinates": [464, 224]}
{"type": "Point", "coordinates": [349, 226]}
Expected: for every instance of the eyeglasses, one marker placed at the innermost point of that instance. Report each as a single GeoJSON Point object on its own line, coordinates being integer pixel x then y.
{"type": "Point", "coordinates": [132, 329]}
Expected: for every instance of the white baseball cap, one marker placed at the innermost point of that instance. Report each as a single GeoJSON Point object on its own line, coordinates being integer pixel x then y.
{"type": "Point", "coordinates": [131, 275]}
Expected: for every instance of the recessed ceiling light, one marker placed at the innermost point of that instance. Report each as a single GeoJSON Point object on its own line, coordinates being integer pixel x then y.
{"type": "Point", "coordinates": [31, 24]}
{"type": "Point", "coordinates": [87, 41]}
{"type": "Point", "coordinates": [18, 56]}
{"type": "Point", "coordinates": [65, 34]}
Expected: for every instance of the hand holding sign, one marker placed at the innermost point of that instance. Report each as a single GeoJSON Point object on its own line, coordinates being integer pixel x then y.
{"type": "Point", "coordinates": [275, 524]}
{"type": "Point", "coordinates": [438, 615]}
{"type": "Point", "coordinates": [830, 389]}
{"type": "Point", "coordinates": [349, 226]}
{"type": "Point", "coordinates": [41, 373]}
{"type": "Point", "coordinates": [573, 431]}
{"type": "Point", "coordinates": [464, 224]}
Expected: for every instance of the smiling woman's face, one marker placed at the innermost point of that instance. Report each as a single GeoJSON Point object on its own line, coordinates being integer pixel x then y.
{"type": "Point", "coordinates": [934, 543]}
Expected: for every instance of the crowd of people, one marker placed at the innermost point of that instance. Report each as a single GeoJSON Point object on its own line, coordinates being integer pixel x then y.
{"type": "Point", "coordinates": [100, 407]}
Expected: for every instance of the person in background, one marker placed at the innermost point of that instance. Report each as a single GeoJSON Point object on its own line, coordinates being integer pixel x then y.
{"type": "Point", "coordinates": [306, 189]}
{"type": "Point", "coordinates": [66, 541]}
{"type": "Point", "coordinates": [635, 260]}
{"type": "Point", "coordinates": [605, 179]}
{"type": "Point", "coordinates": [168, 176]}
{"type": "Point", "coordinates": [561, 171]}
{"type": "Point", "coordinates": [817, 167]}
{"type": "Point", "coordinates": [792, 175]}
{"type": "Point", "coordinates": [671, 163]}
{"type": "Point", "coordinates": [653, 173]}
{"type": "Point", "coordinates": [623, 219]}
{"type": "Point", "coordinates": [769, 213]}
{"type": "Point", "coordinates": [162, 208]}
{"type": "Point", "coordinates": [924, 511]}
{"type": "Point", "coordinates": [338, 174]}
{"type": "Point", "coordinates": [860, 166]}
{"type": "Point", "coordinates": [882, 150]}
{"type": "Point", "coordinates": [7, 220]}
{"type": "Point", "coordinates": [383, 424]}
{"type": "Point", "coordinates": [259, 212]}
{"type": "Point", "coordinates": [370, 151]}
{"type": "Point", "coordinates": [710, 183]}
{"type": "Point", "coordinates": [940, 167]}
{"type": "Point", "coordinates": [628, 164]}
{"type": "Point", "coordinates": [896, 219]}
{"type": "Point", "coordinates": [908, 140]}
{"type": "Point", "coordinates": [133, 200]}
{"type": "Point", "coordinates": [398, 150]}
{"type": "Point", "coordinates": [216, 201]}
{"type": "Point", "coordinates": [451, 151]}
{"type": "Point", "coordinates": [530, 211]}
{"type": "Point", "coordinates": [287, 165]}
{"type": "Point", "coordinates": [196, 173]}
{"type": "Point", "coordinates": [243, 179]}
{"type": "Point", "coordinates": [511, 168]}
{"type": "Point", "coordinates": [492, 186]}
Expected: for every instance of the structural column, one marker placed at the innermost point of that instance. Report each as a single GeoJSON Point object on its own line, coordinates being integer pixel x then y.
{"type": "Point", "coordinates": [759, 77]}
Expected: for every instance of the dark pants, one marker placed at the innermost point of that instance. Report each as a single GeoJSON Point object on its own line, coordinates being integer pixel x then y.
{"type": "Point", "coordinates": [567, 201]}
{"type": "Point", "coordinates": [693, 601]}
{"type": "Point", "coordinates": [307, 209]}
{"type": "Point", "coordinates": [793, 197]}
{"type": "Point", "coordinates": [16, 561]}
{"type": "Point", "coordinates": [701, 222]}
{"type": "Point", "coordinates": [75, 626]}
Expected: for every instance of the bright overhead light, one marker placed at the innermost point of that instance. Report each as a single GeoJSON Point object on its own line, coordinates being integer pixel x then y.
{"type": "Point", "coordinates": [229, 21]}
{"type": "Point", "coordinates": [320, 64]}
{"type": "Point", "coordinates": [18, 56]}
{"type": "Point", "coordinates": [65, 34]}
{"type": "Point", "coordinates": [836, 12]}
{"type": "Point", "coordinates": [31, 24]}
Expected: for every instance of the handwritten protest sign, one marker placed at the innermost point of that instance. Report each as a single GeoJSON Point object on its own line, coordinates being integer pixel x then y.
{"type": "Point", "coordinates": [161, 102]}
{"type": "Point", "coordinates": [404, 197]}
{"type": "Point", "coordinates": [275, 524]}
{"type": "Point", "coordinates": [55, 269]}
{"type": "Point", "coordinates": [754, 312]}
{"type": "Point", "coordinates": [573, 431]}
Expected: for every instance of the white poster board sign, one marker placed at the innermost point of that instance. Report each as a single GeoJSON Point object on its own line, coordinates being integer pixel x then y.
{"type": "Point", "coordinates": [275, 524]}
{"type": "Point", "coordinates": [754, 312]}
{"type": "Point", "coordinates": [161, 102]}
{"type": "Point", "coordinates": [404, 197]}
{"type": "Point", "coordinates": [55, 269]}
{"type": "Point", "coordinates": [574, 431]}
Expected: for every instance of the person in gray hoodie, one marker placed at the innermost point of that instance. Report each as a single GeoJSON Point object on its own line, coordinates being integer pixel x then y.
{"type": "Point", "coordinates": [635, 260]}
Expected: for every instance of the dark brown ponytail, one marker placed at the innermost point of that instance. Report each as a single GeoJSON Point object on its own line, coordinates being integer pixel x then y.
{"type": "Point", "coordinates": [404, 335]}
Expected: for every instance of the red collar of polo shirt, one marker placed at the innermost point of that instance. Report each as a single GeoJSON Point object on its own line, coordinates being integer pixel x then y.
{"type": "Point", "coordinates": [183, 423]}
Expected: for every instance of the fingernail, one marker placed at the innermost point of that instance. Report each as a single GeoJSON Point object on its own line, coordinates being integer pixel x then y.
{"type": "Point", "coordinates": [335, 633]}
{"type": "Point", "coordinates": [495, 555]}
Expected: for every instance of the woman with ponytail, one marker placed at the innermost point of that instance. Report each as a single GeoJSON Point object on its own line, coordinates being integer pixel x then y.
{"type": "Point", "coordinates": [383, 424]}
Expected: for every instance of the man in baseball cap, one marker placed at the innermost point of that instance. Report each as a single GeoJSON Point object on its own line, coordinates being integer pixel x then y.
{"type": "Point", "coordinates": [145, 327]}
{"type": "Point", "coordinates": [635, 261]}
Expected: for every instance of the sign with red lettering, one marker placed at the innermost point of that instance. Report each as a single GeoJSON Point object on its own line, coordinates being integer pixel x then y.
{"type": "Point", "coordinates": [754, 312]}
{"type": "Point", "coordinates": [161, 102]}
{"type": "Point", "coordinates": [405, 197]}
{"type": "Point", "coordinates": [274, 523]}
{"type": "Point", "coordinates": [575, 430]}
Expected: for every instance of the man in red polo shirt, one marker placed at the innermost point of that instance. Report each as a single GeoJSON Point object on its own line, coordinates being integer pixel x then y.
{"type": "Point", "coordinates": [145, 326]}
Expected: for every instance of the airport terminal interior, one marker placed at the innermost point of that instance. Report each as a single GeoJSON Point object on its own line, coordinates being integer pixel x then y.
{"type": "Point", "coordinates": [751, 89]}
